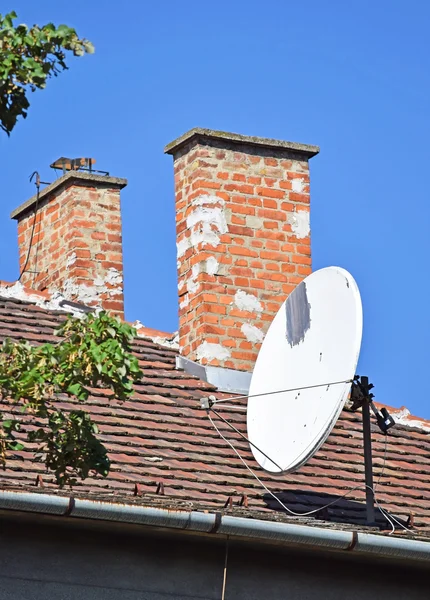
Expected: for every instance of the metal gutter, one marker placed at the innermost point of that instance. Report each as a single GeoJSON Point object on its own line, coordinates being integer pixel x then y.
{"type": "Point", "coordinates": [218, 524]}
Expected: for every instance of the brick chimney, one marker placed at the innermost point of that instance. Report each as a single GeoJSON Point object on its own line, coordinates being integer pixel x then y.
{"type": "Point", "coordinates": [243, 239]}
{"type": "Point", "coordinates": [77, 243]}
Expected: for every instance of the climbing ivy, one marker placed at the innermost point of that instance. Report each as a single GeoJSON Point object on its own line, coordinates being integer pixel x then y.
{"type": "Point", "coordinates": [93, 352]}
{"type": "Point", "coordinates": [29, 56]}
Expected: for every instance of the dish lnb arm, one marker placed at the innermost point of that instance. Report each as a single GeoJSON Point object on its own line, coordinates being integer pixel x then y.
{"type": "Point", "coordinates": [360, 393]}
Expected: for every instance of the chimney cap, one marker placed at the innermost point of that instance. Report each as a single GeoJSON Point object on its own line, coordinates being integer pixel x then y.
{"type": "Point", "coordinates": [199, 134]}
{"type": "Point", "coordinates": [82, 178]}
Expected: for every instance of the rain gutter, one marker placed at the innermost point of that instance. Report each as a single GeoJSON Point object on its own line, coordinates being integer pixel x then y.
{"type": "Point", "coordinates": [219, 524]}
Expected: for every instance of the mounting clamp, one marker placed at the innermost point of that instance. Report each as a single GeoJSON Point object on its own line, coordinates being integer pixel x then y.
{"type": "Point", "coordinates": [207, 403]}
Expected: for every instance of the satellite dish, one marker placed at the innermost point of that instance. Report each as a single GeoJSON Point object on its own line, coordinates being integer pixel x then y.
{"type": "Point", "coordinates": [314, 339]}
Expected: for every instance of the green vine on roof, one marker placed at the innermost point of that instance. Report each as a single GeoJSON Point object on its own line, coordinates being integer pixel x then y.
{"type": "Point", "coordinates": [93, 352]}
{"type": "Point", "coordinates": [29, 56]}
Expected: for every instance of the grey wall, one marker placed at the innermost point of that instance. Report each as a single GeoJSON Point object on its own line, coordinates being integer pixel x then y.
{"type": "Point", "coordinates": [67, 560]}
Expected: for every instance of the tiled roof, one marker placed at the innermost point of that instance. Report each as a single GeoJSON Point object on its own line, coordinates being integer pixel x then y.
{"type": "Point", "coordinates": [165, 451]}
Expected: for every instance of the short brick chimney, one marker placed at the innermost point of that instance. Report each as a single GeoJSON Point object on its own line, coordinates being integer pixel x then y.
{"type": "Point", "coordinates": [76, 247]}
{"type": "Point", "coordinates": [243, 239]}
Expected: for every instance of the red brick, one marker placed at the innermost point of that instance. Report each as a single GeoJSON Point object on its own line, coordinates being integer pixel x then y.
{"type": "Point", "coordinates": [271, 235]}
{"type": "Point", "coordinates": [243, 210]}
{"type": "Point", "coordinates": [270, 193]}
{"type": "Point", "coordinates": [296, 197]}
{"type": "Point", "coordinates": [304, 249]}
{"type": "Point", "coordinates": [241, 281]}
{"type": "Point", "coordinates": [271, 224]}
{"type": "Point", "coordinates": [270, 204]}
{"type": "Point", "coordinates": [238, 250]}
{"type": "Point", "coordinates": [98, 235]}
{"type": "Point", "coordinates": [268, 213]}
{"type": "Point", "coordinates": [301, 260]}
{"type": "Point", "coordinates": [210, 185]}
{"type": "Point", "coordinates": [243, 231]}
{"type": "Point", "coordinates": [239, 177]}
{"type": "Point", "coordinates": [114, 238]}
{"type": "Point", "coordinates": [243, 189]}
{"type": "Point", "coordinates": [304, 270]}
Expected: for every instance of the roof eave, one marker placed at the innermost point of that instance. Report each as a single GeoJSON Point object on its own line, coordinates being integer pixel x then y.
{"type": "Point", "coordinates": [312, 538]}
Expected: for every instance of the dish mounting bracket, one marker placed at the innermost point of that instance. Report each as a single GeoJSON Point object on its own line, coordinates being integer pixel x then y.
{"type": "Point", "coordinates": [362, 398]}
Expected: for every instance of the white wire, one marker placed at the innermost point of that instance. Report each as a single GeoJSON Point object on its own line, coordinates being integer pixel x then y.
{"type": "Point", "coordinates": [235, 407]}
{"type": "Point", "coordinates": [382, 511]}
{"type": "Point", "coordinates": [383, 463]}
{"type": "Point", "coordinates": [376, 485]}
{"type": "Point", "coordinates": [298, 389]}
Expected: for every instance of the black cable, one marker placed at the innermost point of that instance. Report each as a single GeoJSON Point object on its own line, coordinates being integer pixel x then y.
{"type": "Point", "coordinates": [35, 173]}
{"type": "Point", "coordinates": [245, 438]}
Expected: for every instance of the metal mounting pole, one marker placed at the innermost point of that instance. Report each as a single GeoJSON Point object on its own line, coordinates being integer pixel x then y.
{"type": "Point", "coordinates": [367, 445]}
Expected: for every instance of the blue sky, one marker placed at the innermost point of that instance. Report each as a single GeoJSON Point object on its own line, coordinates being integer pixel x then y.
{"type": "Point", "coordinates": [352, 77]}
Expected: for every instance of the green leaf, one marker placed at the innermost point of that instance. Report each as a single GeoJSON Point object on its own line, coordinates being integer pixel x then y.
{"type": "Point", "coordinates": [17, 446]}
{"type": "Point", "coordinates": [30, 56]}
{"type": "Point", "coordinates": [95, 351]}
{"type": "Point", "coordinates": [74, 389]}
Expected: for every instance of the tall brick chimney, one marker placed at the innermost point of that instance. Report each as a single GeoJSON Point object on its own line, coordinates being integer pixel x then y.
{"type": "Point", "coordinates": [243, 239]}
{"type": "Point", "coordinates": [76, 247]}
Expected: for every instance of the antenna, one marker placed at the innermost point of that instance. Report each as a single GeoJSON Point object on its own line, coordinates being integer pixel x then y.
{"type": "Point", "coordinates": [76, 164]}
{"type": "Point", "coordinates": [305, 372]}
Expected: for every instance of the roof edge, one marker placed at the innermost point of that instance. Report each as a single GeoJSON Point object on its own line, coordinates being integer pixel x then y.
{"type": "Point", "coordinates": [287, 534]}
{"type": "Point", "coordinates": [199, 133]}
{"type": "Point", "coordinates": [79, 177]}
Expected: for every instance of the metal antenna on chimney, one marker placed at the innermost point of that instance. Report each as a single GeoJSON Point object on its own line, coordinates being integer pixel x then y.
{"type": "Point", "coordinates": [35, 175]}
{"type": "Point", "coordinates": [76, 164]}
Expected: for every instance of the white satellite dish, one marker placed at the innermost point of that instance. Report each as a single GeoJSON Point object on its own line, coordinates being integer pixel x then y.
{"type": "Point", "coordinates": [314, 339]}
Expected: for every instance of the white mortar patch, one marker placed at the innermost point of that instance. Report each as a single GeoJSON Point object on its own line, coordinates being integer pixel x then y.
{"type": "Point", "coordinates": [247, 302]}
{"type": "Point", "coordinates": [212, 352]}
{"type": "Point", "coordinates": [210, 222]}
{"type": "Point", "coordinates": [71, 260]}
{"type": "Point", "coordinates": [91, 294]}
{"type": "Point", "coordinates": [79, 292]}
{"type": "Point", "coordinates": [167, 342]}
{"type": "Point", "coordinates": [298, 185]}
{"type": "Point", "coordinates": [18, 292]}
{"type": "Point", "coordinates": [181, 247]}
{"type": "Point", "coordinates": [113, 277]}
{"type": "Point", "coordinates": [252, 333]}
{"type": "Point", "coordinates": [206, 222]}
{"type": "Point", "coordinates": [403, 417]}
{"type": "Point", "coordinates": [192, 284]}
{"type": "Point", "coordinates": [170, 341]}
{"type": "Point", "coordinates": [300, 224]}
{"type": "Point", "coordinates": [212, 265]}
{"type": "Point", "coordinates": [185, 302]}
{"type": "Point", "coordinates": [205, 199]}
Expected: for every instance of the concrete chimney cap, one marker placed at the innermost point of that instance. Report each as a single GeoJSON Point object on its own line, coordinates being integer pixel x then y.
{"type": "Point", "coordinates": [78, 177]}
{"type": "Point", "coordinates": [198, 133]}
